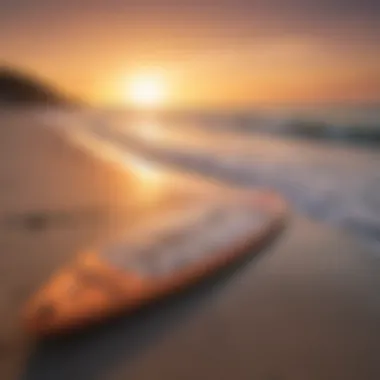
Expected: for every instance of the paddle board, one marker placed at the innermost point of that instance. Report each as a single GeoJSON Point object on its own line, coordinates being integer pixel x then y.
{"type": "Point", "coordinates": [163, 255]}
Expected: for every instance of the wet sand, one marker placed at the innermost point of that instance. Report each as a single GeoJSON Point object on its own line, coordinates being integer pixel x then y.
{"type": "Point", "coordinates": [306, 308]}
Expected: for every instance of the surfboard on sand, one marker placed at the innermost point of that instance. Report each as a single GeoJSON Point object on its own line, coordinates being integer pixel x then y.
{"type": "Point", "coordinates": [163, 255]}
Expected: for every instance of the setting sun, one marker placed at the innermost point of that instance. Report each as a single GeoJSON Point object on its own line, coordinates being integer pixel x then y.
{"type": "Point", "coordinates": [146, 91]}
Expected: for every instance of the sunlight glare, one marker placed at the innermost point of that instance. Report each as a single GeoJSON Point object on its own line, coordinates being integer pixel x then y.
{"type": "Point", "coordinates": [146, 90]}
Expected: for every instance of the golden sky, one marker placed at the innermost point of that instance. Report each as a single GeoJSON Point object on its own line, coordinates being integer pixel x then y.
{"type": "Point", "coordinates": [207, 53]}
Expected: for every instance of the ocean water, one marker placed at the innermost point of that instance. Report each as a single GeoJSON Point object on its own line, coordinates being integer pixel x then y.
{"type": "Point", "coordinates": [325, 162]}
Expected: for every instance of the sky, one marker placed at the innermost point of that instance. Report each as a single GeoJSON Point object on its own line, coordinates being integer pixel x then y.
{"type": "Point", "coordinates": [226, 52]}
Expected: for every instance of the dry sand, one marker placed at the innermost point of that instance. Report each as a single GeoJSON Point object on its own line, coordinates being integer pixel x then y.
{"type": "Point", "coordinates": [307, 309]}
{"type": "Point", "coordinates": [55, 200]}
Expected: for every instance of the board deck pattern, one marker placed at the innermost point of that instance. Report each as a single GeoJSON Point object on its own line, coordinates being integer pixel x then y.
{"type": "Point", "coordinates": [166, 253]}
{"type": "Point", "coordinates": [187, 237]}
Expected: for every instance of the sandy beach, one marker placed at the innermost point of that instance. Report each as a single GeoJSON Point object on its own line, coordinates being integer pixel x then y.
{"type": "Point", "coordinates": [307, 308]}
{"type": "Point", "coordinates": [56, 200]}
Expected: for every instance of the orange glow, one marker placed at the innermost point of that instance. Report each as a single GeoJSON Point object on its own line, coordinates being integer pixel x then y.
{"type": "Point", "coordinates": [146, 90]}
{"type": "Point", "coordinates": [272, 71]}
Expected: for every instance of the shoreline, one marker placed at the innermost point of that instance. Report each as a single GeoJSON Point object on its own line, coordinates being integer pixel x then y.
{"type": "Point", "coordinates": [302, 308]}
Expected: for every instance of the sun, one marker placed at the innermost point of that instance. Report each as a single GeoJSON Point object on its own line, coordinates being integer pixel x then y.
{"type": "Point", "coordinates": [146, 91]}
